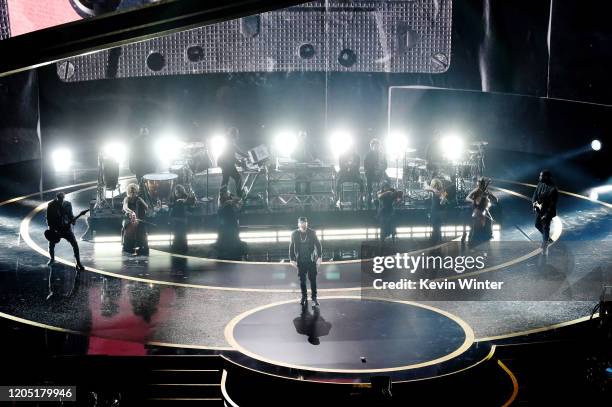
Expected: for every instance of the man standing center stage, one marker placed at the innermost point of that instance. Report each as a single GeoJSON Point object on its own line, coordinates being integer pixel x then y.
{"type": "Point", "coordinates": [305, 253]}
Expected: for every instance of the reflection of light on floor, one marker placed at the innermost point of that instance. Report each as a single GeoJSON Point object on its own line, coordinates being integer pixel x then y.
{"type": "Point", "coordinates": [279, 276]}
{"type": "Point", "coordinates": [556, 228]}
{"type": "Point", "coordinates": [324, 234]}
{"type": "Point", "coordinates": [332, 275]}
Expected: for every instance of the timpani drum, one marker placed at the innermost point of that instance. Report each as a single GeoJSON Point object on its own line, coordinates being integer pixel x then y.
{"type": "Point", "coordinates": [160, 186]}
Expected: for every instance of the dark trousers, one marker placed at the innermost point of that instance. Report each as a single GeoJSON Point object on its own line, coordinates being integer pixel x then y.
{"type": "Point", "coordinates": [231, 172]}
{"type": "Point", "coordinates": [69, 236]}
{"type": "Point", "coordinates": [308, 269]}
{"type": "Point", "coordinates": [544, 227]}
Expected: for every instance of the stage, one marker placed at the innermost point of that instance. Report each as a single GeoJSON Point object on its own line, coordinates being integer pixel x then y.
{"type": "Point", "coordinates": [249, 310]}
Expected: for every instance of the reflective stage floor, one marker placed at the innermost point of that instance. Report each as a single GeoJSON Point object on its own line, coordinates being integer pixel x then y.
{"type": "Point", "coordinates": [187, 301]}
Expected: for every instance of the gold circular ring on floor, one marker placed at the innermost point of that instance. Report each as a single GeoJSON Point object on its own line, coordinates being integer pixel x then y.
{"type": "Point", "coordinates": [25, 225]}
{"type": "Point", "coordinates": [469, 337]}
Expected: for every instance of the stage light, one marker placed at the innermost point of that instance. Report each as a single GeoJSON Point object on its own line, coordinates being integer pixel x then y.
{"type": "Point", "coordinates": [168, 148]}
{"type": "Point", "coordinates": [340, 141]}
{"type": "Point", "coordinates": [116, 151]}
{"type": "Point", "coordinates": [396, 144]}
{"type": "Point", "coordinates": [596, 145]}
{"type": "Point", "coordinates": [62, 159]}
{"type": "Point", "coordinates": [285, 142]}
{"type": "Point", "coordinates": [452, 147]}
{"type": "Point", "coordinates": [217, 145]}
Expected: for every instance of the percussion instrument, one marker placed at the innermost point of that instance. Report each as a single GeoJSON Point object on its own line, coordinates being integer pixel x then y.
{"type": "Point", "coordinates": [160, 186]}
{"type": "Point", "coordinates": [196, 156]}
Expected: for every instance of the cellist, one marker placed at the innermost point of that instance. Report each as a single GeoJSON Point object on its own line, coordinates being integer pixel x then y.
{"type": "Point", "coordinates": [134, 231]}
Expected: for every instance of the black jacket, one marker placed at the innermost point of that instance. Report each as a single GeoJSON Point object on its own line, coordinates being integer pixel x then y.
{"type": "Point", "coordinates": [59, 215]}
{"type": "Point", "coordinates": [547, 195]}
{"type": "Point", "coordinates": [304, 252]}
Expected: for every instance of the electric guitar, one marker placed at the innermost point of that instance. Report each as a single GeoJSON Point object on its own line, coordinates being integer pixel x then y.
{"type": "Point", "coordinates": [54, 236]}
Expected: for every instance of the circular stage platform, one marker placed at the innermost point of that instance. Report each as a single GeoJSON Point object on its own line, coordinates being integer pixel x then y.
{"type": "Point", "coordinates": [350, 335]}
{"type": "Point", "coordinates": [187, 302]}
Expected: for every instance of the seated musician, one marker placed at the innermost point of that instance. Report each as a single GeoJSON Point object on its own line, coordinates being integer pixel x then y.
{"type": "Point", "coordinates": [438, 205]}
{"type": "Point", "coordinates": [349, 162]}
{"type": "Point", "coordinates": [178, 216]}
{"type": "Point", "coordinates": [227, 162]}
{"type": "Point", "coordinates": [387, 196]}
{"type": "Point", "coordinates": [228, 245]}
{"type": "Point", "coordinates": [482, 221]}
{"type": "Point", "coordinates": [375, 167]}
{"type": "Point", "coordinates": [134, 231]}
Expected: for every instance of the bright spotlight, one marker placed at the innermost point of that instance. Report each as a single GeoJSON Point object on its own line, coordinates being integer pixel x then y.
{"type": "Point", "coordinates": [116, 151]}
{"type": "Point", "coordinates": [62, 159]}
{"type": "Point", "coordinates": [594, 195]}
{"type": "Point", "coordinates": [596, 145]}
{"type": "Point", "coordinates": [217, 145]}
{"type": "Point", "coordinates": [285, 142]}
{"type": "Point", "coordinates": [396, 144]}
{"type": "Point", "coordinates": [340, 141]}
{"type": "Point", "coordinates": [452, 147]}
{"type": "Point", "coordinates": [168, 148]}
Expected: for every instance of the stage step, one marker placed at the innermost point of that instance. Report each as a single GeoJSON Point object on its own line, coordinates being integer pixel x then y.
{"type": "Point", "coordinates": [183, 380]}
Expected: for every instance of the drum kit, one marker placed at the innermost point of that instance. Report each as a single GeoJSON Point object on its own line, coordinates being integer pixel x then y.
{"type": "Point", "coordinates": [193, 159]}
{"type": "Point", "coordinates": [460, 173]}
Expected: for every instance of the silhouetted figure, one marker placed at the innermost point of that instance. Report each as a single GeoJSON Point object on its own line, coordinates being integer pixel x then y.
{"type": "Point", "coordinates": [141, 155]}
{"type": "Point", "coordinates": [375, 167]}
{"type": "Point", "coordinates": [482, 221]}
{"type": "Point", "coordinates": [178, 218]}
{"type": "Point", "coordinates": [544, 202]}
{"type": "Point", "coordinates": [305, 253]}
{"type": "Point", "coordinates": [227, 162]}
{"type": "Point", "coordinates": [134, 232]}
{"type": "Point", "coordinates": [439, 201]}
{"type": "Point", "coordinates": [349, 163]}
{"type": "Point", "coordinates": [228, 245]}
{"type": "Point", "coordinates": [387, 197]}
{"type": "Point", "coordinates": [60, 220]}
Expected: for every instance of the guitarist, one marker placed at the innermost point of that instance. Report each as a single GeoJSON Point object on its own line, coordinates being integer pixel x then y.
{"type": "Point", "coordinates": [544, 202]}
{"type": "Point", "coordinates": [60, 220]}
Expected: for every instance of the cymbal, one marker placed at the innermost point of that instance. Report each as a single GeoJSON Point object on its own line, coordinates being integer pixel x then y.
{"type": "Point", "coordinates": [410, 150]}
{"type": "Point", "coordinates": [479, 143]}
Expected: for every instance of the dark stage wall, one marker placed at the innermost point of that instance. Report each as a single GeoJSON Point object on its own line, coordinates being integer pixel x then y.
{"type": "Point", "coordinates": [19, 118]}
{"type": "Point", "coordinates": [497, 46]}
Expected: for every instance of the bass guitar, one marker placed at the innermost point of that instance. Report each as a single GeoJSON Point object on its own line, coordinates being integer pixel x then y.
{"type": "Point", "coordinates": [54, 236]}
